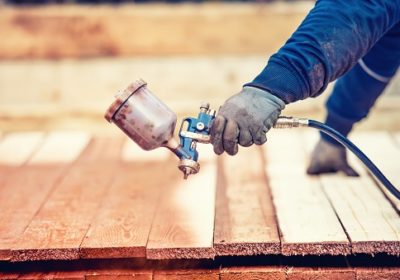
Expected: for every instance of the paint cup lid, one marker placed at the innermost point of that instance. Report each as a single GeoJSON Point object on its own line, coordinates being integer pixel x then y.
{"type": "Point", "coordinates": [121, 97]}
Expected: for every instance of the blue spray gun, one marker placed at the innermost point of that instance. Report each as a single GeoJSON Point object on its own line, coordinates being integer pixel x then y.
{"type": "Point", "coordinates": [151, 124]}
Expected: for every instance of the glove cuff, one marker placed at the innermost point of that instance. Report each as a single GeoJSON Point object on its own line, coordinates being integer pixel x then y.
{"type": "Point", "coordinates": [266, 94]}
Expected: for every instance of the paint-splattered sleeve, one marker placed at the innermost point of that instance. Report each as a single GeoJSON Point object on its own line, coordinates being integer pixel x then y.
{"type": "Point", "coordinates": [328, 43]}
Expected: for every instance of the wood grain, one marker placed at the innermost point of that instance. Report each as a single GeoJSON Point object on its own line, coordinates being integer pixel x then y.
{"type": "Point", "coordinates": [253, 272]}
{"type": "Point", "coordinates": [181, 274]}
{"type": "Point", "coordinates": [307, 222]}
{"type": "Point", "coordinates": [311, 273]}
{"type": "Point", "coordinates": [123, 222]}
{"type": "Point", "coordinates": [371, 223]}
{"type": "Point", "coordinates": [381, 148]}
{"type": "Point", "coordinates": [132, 152]}
{"type": "Point", "coordinates": [184, 222]}
{"type": "Point", "coordinates": [25, 188]}
{"type": "Point", "coordinates": [58, 229]}
{"type": "Point", "coordinates": [16, 148]}
{"type": "Point", "coordinates": [245, 221]}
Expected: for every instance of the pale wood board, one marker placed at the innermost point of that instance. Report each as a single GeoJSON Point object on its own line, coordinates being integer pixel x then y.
{"type": "Point", "coordinates": [16, 148]}
{"type": "Point", "coordinates": [382, 149]}
{"type": "Point", "coordinates": [23, 188]}
{"type": "Point", "coordinates": [371, 223]}
{"type": "Point", "coordinates": [307, 221]}
{"type": "Point", "coordinates": [183, 226]}
{"type": "Point", "coordinates": [123, 222]}
{"type": "Point", "coordinates": [253, 272]}
{"type": "Point", "coordinates": [245, 222]}
{"type": "Point", "coordinates": [61, 147]}
{"type": "Point", "coordinates": [132, 152]}
{"type": "Point", "coordinates": [58, 229]}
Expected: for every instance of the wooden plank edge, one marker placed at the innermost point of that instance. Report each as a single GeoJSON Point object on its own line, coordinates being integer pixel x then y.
{"type": "Point", "coordinates": [375, 247]}
{"type": "Point", "coordinates": [322, 248]}
{"type": "Point", "coordinates": [310, 273]}
{"type": "Point", "coordinates": [187, 274]}
{"type": "Point", "coordinates": [112, 252]}
{"type": "Point", "coordinates": [21, 255]}
{"type": "Point", "coordinates": [247, 249]}
{"type": "Point", "coordinates": [180, 253]}
{"type": "Point", "coordinates": [249, 272]}
{"type": "Point", "coordinates": [5, 254]}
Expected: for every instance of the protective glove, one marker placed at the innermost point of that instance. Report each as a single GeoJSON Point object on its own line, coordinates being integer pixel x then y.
{"type": "Point", "coordinates": [245, 118]}
{"type": "Point", "coordinates": [329, 158]}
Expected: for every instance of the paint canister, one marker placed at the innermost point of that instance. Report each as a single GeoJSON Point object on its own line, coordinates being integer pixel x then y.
{"type": "Point", "coordinates": [142, 116]}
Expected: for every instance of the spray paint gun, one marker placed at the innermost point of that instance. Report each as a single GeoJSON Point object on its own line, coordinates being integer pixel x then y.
{"type": "Point", "coordinates": [151, 124]}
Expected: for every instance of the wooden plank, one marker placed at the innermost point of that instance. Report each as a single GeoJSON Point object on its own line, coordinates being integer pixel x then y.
{"type": "Point", "coordinates": [184, 222]}
{"type": "Point", "coordinates": [132, 152]}
{"type": "Point", "coordinates": [16, 148]}
{"type": "Point", "coordinates": [181, 274]}
{"type": "Point", "coordinates": [245, 222]}
{"type": "Point", "coordinates": [122, 225]}
{"type": "Point", "coordinates": [61, 147]}
{"type": "Point", "coordinates": [371, 223]}
{"type": "Point", "coordinates": [378, 273]}
{"type": "Point", "coordinates": [25, 189]}
{"type": "Point", "coordinates": [253, 272]}
{"type": "Point", "coordinates": [311, 273]}
{"type": "Point", "coordinates": [306, 220]}
{"type": "Point", "coordinates": [58, 229]}
{"type": "Point", "coordinates": [381, 148]}
{"type": "Point", "coordinates": [397, 138]}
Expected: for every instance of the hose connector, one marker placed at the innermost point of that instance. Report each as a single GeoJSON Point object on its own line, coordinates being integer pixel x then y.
{"type": "Point", "coordinates": [290, 122]}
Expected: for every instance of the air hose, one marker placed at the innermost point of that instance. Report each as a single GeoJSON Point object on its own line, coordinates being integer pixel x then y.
{"type": "Point", "coordinates": [291, 122]}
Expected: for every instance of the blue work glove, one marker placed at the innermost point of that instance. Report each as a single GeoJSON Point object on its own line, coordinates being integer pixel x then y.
{"type": "Point", "coordinates": [244, 119]}
{"type": "Point", "coordinates": [329, 158]}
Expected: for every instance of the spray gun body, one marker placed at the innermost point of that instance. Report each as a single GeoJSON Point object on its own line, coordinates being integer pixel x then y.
{"type": "Point", "coordinates": [197, 131]}
{"type": "Point", "coordinates": [151, 124]}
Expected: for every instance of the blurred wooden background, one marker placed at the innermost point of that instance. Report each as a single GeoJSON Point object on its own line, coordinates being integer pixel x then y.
{"type": "Point", "coordinates": [60, 65]}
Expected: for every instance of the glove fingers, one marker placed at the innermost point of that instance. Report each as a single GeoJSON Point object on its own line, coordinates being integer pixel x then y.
{"type": "Point", "coordinates": [349, 171]}
{"type": "Point", "coordinates": [217, 130]}
{"type": "Point", "coordinates": [260, 136]}
{"type": "Point", "coordinates": [245, 138]}
{"type": "Point", "coordinates": [230, 137]}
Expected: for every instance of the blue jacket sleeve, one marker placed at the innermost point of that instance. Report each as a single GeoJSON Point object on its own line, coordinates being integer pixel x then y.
{"type": "Point", "coordinates": [328, 43]}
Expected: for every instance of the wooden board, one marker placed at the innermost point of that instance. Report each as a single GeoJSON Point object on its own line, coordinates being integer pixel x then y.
{"type": "Point", "coordinates": [245, 222]}
{"type": "Point", "coordinates": [25, 188]}
{"type": "Point", "coordinates": [307, 222]}
{"type": "Point", "coordinates": [131, 152]}
{"type": "Point", "coordinates": [16, 148]}
{"type": "Point", "coordinates": [382, 149]}
{"type": "Point", "coordinates": [256, 273]}
{"type": "Point", "coordinates": [184, 222]}
{"type": "Point", "coordinates": [123, 222]}
{"type": "Point", "coordinates": [370, 222]}
{"type": "Point", "coordinates": [58, 229]}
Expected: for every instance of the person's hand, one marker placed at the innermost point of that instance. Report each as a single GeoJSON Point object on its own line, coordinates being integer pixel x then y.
{"type": "Point", "coordinates": [244, 119]}
{"type": "Point", "coordinates": [329, 158]}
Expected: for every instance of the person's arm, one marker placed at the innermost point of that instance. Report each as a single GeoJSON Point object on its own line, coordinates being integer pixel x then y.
{"type": "Point", "coordinates": [331, 39]}
{"type": "Point", "coordinates": [329, 42]}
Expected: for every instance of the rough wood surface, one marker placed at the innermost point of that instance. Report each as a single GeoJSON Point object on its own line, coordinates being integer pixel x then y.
{"type": "Point", "coordinates": [382, 149]}
{"type": "Point", "coordinates": [180, 274]}
{"type": "Point", "coordinates": [16, 148]}
{"type": "Point", "coordinates": [254, 273]}
{"type": "Point", "coordinates": [131, 152]}
{"type": "Point", "coordinates": [307, 221]}
{"type": "Point", "coordinates": [26, 188]}
{"type": "Point", "coordinates": [245, 222]}
{"type": "Point", "coordinates": [184, 222]}
{"type": "Point", "coordinates": [123, 222]}
{"type": "Point", "coordinates": [58, 229]}
{"type": "Point", "coordinates": [369, 220]}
